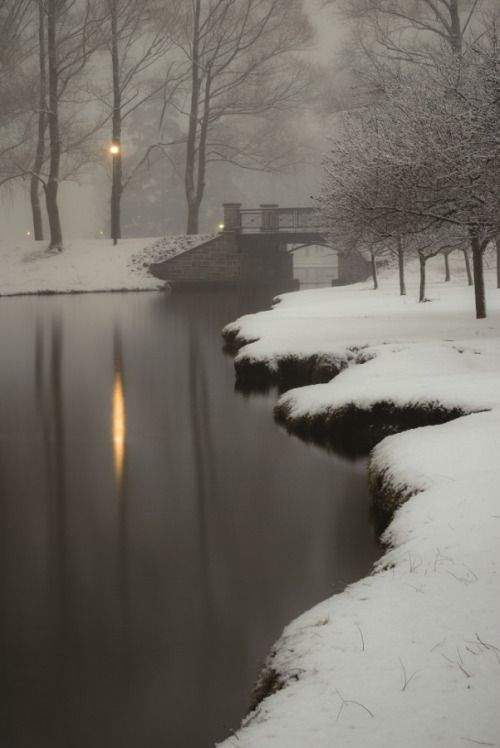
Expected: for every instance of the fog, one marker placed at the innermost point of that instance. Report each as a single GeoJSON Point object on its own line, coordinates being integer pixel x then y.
{"type": "Point", "coordinates": [84, 199]}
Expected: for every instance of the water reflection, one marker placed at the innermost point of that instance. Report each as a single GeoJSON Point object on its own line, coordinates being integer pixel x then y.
{"type": "Point", "coordinates": [157, 530]}
{"type": "Point", "coordinates": [202, 462]}
{"type": "Point", "coordinates": [119, 418]}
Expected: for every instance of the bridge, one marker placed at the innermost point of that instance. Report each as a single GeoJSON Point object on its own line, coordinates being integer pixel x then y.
{"type": "Point", "coordinates": [254, 247]}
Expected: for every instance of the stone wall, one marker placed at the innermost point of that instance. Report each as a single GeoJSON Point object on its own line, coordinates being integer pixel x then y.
{"type": "Point", "coordinates": [215, 261]}
{"type": "Point", "coordinates": [222, 260]}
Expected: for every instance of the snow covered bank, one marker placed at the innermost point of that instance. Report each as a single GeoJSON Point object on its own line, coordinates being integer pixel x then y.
{"type": "Point", "coordinates": [409, 656]}
{"type": "Point", "coordinates": [395, 388]}
{"type": "Point", "coordinates": [86, 265]}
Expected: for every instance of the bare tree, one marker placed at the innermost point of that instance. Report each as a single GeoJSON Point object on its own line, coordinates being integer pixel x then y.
{"type": "Point", "coordinates": [401, 29]}
{"type": "Point", "coordinates": [73, 35]}
{"type": "Point", "coordinates": [39, 158]}
{"type": "Point", "coordinates": [240, 64]}
{"type": "Point", "coordinates": [15, 85]}
{"type": "Point", "coordinates": [137, 44]}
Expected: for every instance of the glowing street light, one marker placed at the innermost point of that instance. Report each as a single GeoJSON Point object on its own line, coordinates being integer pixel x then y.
{"type": "Point", "coordinates": [115, 151]}
{"type": "Point", "coordinates": [221, 227]}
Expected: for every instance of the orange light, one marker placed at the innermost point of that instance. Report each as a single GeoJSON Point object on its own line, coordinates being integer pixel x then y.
{"type": "Point", "coordinates": [119, 425]}
{"type": "Point", "coordinates": [114, 149]}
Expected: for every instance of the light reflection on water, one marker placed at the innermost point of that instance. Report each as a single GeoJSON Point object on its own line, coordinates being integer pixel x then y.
{"type": "Point", "coordinates": [157, 529]}
{"type": "Point", "coordinates": [119, 415]}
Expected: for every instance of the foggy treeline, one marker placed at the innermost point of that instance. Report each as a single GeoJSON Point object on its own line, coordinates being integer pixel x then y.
{"type": "Point", "coordinates": [175, 87]}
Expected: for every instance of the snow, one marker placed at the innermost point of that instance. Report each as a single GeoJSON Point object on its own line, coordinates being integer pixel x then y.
{"type": "Point", "coordinates": [87, 265]}
{"type": "Point", "coordinates": [409, 656]}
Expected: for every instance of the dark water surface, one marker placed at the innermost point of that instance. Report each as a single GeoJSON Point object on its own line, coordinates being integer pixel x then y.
{"type": "Point", "coordinates": [157, 529]}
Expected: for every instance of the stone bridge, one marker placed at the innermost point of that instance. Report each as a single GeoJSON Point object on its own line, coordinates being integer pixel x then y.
{"type": "Point", "coordinates": [255, 247]}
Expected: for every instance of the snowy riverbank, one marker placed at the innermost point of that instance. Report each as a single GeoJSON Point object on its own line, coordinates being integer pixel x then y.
{"type": "Point", "coordinates": [409, 656]}
{"type": "Point", "coordinates": [86, 265]}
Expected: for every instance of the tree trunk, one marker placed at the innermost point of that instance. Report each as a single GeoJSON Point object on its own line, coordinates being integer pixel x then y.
{"type": "Point", "coordinates": [374, 270]}
{"type": "Point", "coordinates": [468, 270]}
{"type": "Point", "coordinates": [117, 188]}
{"type": "Point", "coordinates": [497, 243]}
{"type": "Point", "coordinates": [194, 206]}
{"type": "Point", "coordinates": [401, 267]}
{"type": "Point", "coordinates": [421, 291]}
{"type": "Point", "coordinates": [479, 290]}
{"type": "Point", "coordinates": [56, 241]}
{"type": "Point", "coordinates": [455, 32]}
{"type": "Point", "coordinates": [193, 213]}
{"type": "Point", "coordinates": [447, 274]}
{"type": "Point", "coordinates": [36, 209]}
{"type": "Point", "coordinates": [189, 176]}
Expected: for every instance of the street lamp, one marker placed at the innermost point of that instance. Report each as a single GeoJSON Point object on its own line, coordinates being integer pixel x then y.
{"type": "Point", "coordinates": [115, 151]}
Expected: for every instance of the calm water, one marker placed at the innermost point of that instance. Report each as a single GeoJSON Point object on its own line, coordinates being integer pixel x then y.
{"type": "Point", "coordinates": [157, 529]}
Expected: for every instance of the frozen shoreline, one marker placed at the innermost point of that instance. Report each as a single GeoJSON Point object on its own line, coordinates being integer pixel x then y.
{"type": "Point", "coordinates": [411, 654]}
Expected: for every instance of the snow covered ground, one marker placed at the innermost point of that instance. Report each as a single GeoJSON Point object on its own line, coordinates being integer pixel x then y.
{"type": "Point", "coordinates": [86, 265]}
{"type": "Point", "coordinates": [409, 656]}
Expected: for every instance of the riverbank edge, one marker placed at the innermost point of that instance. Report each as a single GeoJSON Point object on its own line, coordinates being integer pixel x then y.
{"type": "Point", "coordinates": [340, 430]}
{"type": "Point", "coordinates": [285, 372]}
{"type": "Point", "coordinates": [80, 292]}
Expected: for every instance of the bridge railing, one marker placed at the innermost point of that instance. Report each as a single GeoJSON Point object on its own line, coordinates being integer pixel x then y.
{"type": "Point", "coordinates": [289, 220]}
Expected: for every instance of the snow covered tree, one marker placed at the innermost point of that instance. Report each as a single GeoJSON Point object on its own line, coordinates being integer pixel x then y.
{"type": "Point", "coordinates": [355, 180]}
{"type": "Point", "coordinates": [442, 123]}
{"type": "Point", "coordinates": [425, 158]}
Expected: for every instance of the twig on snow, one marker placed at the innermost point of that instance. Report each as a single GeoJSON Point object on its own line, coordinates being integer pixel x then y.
{"type": "Point", "coordinates": [344, 702]}
{"type": "Point", "coordinates": [406, 679]}
{"type": "Point", "coordinates": [362, 637]}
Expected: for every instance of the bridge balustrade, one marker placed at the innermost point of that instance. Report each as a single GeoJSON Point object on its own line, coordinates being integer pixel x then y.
{"type": "Point", "coordinates": [286, 220]}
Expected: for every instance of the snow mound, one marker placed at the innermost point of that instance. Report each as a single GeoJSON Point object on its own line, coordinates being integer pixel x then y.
{"type": "Point", "coordinates": [409, 656]}
{"type": "Point", "coordinates": [166, 248]}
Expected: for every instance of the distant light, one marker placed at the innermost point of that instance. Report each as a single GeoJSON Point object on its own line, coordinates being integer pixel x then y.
{"type": "Point", "coordinates": [114, 149]}
{"type": "Point", "coordinates": [28, 233]}
{"type": "Point", "coordinates": [221, 227]}
{"type": "Point", "coordinates": [101, 233]}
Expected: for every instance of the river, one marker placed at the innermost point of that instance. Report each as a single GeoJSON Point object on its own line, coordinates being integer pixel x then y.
{"type": "Point", "coordinates": [157, 528]}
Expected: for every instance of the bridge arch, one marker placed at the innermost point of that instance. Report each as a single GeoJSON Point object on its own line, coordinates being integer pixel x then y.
{"type": "Point", "coordinates": [314, 262]}
{"type": "Point", "coordinates": [306, 245]}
